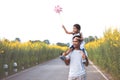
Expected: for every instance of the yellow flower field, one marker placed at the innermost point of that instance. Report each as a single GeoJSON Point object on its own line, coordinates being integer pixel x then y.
{"type": "Point", "coordinates": [25, 54]}
{"type": "Point", "coordinates": [105, 52]}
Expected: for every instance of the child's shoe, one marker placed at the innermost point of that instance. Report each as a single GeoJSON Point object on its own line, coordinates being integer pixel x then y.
{"type": "Point", "coordinates": [84, 61]}
{"type": "Point", "coordinates": [62, 57]}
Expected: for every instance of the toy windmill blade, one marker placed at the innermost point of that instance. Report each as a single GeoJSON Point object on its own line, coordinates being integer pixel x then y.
{"type": "Point", "coordinates": [58, 9]}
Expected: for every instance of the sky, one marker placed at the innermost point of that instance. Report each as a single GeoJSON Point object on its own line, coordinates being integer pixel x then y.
{"type": "Point", "coordinates": [37, 20]}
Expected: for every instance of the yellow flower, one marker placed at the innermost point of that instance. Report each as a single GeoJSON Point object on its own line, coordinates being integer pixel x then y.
{"type": "Point", "coordinates": [2, 51]}
{"type": "Point", "coordinates": [115, 45]}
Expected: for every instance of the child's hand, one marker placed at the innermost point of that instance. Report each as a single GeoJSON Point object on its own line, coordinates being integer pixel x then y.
{"type": "Point", "coordinates": [77, 38]}
{"type": "Point", "coordinates": [63, 26]}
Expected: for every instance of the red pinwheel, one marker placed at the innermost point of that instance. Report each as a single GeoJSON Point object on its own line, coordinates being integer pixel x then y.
{"type": "Point", "coordinates": [58, 9]}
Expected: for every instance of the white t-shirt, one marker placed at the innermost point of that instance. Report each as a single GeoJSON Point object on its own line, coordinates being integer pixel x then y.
{"type": "Point", "coordinates": [77, 67]}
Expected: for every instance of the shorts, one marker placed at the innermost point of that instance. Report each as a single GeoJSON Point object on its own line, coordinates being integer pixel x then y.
{"type": "Point", "coordinates": [82, 77]}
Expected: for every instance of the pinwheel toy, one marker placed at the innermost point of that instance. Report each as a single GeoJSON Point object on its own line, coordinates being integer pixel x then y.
{"type": "Point", "coordinates": [58, 9]}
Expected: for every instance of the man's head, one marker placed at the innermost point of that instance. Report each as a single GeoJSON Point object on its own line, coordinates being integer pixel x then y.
{"type": "Point", "coordinates": [76, 41]}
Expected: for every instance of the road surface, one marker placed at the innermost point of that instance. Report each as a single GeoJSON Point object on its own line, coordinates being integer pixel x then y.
{"type": "Point", "coordinates": [53, 70]}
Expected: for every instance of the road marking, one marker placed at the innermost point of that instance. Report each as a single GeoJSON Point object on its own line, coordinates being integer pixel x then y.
{"type": "Point", "coordinates": [99, 71]}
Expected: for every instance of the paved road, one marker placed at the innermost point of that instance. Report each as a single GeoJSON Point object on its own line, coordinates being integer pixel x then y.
{"type": "Point", "coordinates": [53, 70]}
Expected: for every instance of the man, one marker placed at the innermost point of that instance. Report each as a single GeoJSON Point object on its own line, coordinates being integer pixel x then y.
{"type": "Point", "coordinates": [77, 69]}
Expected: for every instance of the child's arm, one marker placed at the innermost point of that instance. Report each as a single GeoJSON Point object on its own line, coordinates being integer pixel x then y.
{"type": "Point", "coordinates": [81, 36]}
{"type": "Point", "coordinates": [66, 30]}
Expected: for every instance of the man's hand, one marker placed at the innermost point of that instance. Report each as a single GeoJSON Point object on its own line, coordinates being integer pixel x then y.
{"type": "Point", "coordinates": [67, 61]}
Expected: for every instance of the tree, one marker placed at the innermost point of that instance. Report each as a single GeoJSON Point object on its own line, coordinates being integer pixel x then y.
{"type": "Point", "coordinates": [46, 41]}
{"type": "Point", "coordinates": [86, 40]}
{"type": "Point", "coordinates": [96, 37]}
{"type": "Point", "coordinates": [17, 39]}
{"type": "Point", "coordinates": [62, 44]}
{"type": "Point", "coordinates": [34, 41]}
{"type": "Point", "coordinates": [90, 38]}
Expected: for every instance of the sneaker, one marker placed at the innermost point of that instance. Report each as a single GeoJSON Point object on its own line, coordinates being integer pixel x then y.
{"type": "Point", "coordinates": [83, 60]}
{"type": "Point", "coordinates": [62, 57]}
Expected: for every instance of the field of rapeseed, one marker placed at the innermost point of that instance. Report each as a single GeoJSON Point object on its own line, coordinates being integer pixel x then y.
{"type": "Point", "coordinates": [16, 56]}
{"type": "Point", "coordinates": [105, 52]}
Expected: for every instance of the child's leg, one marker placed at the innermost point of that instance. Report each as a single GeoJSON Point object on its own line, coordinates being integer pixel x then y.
{"type": "Point", "coordinates": [85, 59]}
{"type": "Point", "coordinates": [66, 53]}
{"type": "Point", "coordinates": [85, 52]}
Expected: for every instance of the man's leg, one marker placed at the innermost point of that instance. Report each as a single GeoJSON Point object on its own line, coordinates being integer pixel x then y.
{"type": "Point", "coordinates": [73, 78]}
{"type": "Point", "coordinates": [82, 77]}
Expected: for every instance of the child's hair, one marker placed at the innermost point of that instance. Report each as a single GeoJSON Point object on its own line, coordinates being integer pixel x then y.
{"type": "Point", "coordinates": [77, 26]}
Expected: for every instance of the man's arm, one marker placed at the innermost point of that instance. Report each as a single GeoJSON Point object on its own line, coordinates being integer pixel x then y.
{"type": "Point", "coordinates": [67, 61]}
{"type": "Point", "coordinates": [81, 36]}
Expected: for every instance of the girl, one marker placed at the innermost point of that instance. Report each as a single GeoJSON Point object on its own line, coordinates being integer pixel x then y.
{"type": "Point", "coordinates": [75, 32]}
